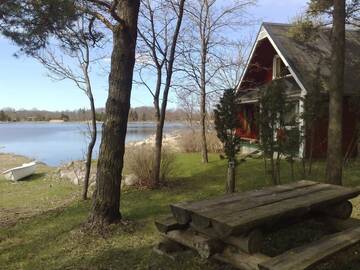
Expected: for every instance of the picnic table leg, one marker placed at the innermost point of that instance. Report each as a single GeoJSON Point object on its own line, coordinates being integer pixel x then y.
{"type": "Point", "coordinates": [204, 245]}
{"type": "Point", "coordinates": [341, 210]}
{"type": "Point", "coordinates": [251, 242]}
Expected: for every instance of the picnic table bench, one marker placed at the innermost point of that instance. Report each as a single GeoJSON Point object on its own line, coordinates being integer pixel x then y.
{"type": "Point", "coordinates": [230, 228]}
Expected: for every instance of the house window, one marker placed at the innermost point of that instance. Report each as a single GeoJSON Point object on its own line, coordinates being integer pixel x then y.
{"type": "Point", "coordinates": [292, 114]}
{"type": "Point", "coordinates": [279, 69]}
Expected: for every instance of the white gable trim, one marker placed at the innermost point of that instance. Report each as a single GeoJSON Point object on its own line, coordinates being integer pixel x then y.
{"type": "Point", "coordinates": [263, 33]}
{"type": "Point", "coordinates": [303, 90]}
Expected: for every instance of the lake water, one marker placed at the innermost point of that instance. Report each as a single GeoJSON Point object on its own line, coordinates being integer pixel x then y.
{"type": "Point", "coordinates": [57, 143]}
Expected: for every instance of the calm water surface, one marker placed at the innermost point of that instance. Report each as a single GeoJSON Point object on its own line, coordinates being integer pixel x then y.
{"type": "Point", "coordinates": [56, 143]}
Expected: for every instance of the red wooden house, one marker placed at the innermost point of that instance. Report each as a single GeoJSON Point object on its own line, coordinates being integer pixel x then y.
{"type": "Point", "coordinates": [277, 55]}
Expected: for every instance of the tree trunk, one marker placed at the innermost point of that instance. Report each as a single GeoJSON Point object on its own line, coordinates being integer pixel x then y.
{"type": "Point", "coordinates": [334, 150]}
{"type": "Point", "coordinates": [230, 183]}
{"type": "Point", "coordinates": [303, 163]}
{"type": "Point", "coordinates": [90, 147]}
{"type": "Point", "coordinates": [204, 150]}
{"type": "Point", "coordinates": [158, 135]}
{"type": "Point", "coordinates": [157, 152]}
{"type": "Point", "coordinates": [161, 116]}
{"type": "Point", "coordinates": [277, 163]}
{"type": "Point", "coordinates": [292, 161]}
{"type": "Point", "coordinates": [106, 199]}
{"type": "Point", "coordinates": [358, 148]}
{"type": "Point", "coordinates": [312, 138]}
{"type": "Point", "coordinates": [357, 142]}
{"type": "Point", "coordinates": [273, 172]}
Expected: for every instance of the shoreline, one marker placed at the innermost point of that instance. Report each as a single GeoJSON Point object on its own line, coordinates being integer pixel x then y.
{"type": "Point", "coordinates": [80, 122]}
{"type": "Point", "coordinates": [170, 139]}
{"type": "Point", "coordinates": [74, 171]}
{"type": "Point", "coordinates": [139, 133]}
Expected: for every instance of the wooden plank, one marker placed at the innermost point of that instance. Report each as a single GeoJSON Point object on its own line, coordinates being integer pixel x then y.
{"type": "Point", "coordinates": [252, 202]}
{"type": "Point", "coordinates": [182, 211]}
{"type": "Point", "coordinates": [233, 197]}
{"type": "Point", "coordinates": [311, 254]}
{"type": "Point", "coordinates": [241, 260]}
{"type": "Point", "coordinates": [264, 215]}
{"type": "Point", "coordinates": [339, 225]}
{"type": "Point", "coordinates": [202, 218]}
{"type": "Point", "coordinates": [243, 221]}
{"type": "Point", "coordinates": [205, 246]}
{"type": "Point", "coordinates": [168, 223]}
{"type": "Point", "coordinates": [251, 242]}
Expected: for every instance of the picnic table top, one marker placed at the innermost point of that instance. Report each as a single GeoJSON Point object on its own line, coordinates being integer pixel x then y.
{"type": "Point", "coordinates": [241, 212]}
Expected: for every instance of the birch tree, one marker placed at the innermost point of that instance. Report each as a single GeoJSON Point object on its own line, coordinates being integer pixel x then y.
{"type": "Point", "coordinates": [71, 60]}
{"type": "Point", "coordinates": [159, 30]}
{"type": "Point", "coordinates": [209, 24]}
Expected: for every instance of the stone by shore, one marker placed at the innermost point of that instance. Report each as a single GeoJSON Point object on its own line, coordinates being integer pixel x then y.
{"type": "Point", "coordinates": [75, 171]}
{"type": "Point", "coordinates": [170, 140]}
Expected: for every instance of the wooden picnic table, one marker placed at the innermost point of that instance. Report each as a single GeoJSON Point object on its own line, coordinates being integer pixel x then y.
{"type": "Point", "coordinates": [215, 226]}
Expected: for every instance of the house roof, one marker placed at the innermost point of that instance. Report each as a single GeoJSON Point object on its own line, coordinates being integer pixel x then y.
{"type": "Point", "coordinates": [252, 95]}
{"type": "Point", "coordinates": [303, 58]}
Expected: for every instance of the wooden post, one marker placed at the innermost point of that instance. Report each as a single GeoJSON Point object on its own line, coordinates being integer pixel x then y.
{"type": "Point", "coordinates": [230, 182]}
{"type": "Point", "coordinates": [199, 222]}
{"type": "Point", "coordinates": [205, 246]}
{"type": "Point", "coordinates": [168, 224]}
{"type": "Point", "coordinates": [180, 214]}
{"type": "Point", "coordinates": [250, 243]}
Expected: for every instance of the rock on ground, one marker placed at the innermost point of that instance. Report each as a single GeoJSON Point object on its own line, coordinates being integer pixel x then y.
{"type": "Point", "coordinates": [75, 172]}
{"type": "Point", "coordinates": [130, 180]}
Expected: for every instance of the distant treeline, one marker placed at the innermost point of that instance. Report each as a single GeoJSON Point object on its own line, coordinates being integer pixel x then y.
{"type": "Point", "coordinates": [135, 114]}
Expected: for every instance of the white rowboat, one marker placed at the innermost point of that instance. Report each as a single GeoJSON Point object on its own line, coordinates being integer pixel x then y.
{"type": "Point", "coordinates": [20, 172]}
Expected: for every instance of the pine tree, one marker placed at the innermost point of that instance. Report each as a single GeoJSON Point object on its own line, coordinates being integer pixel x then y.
{"type": "Point", "coordinates": [226, 123]}
{"type": "Point", "coordinates": [271, 121]}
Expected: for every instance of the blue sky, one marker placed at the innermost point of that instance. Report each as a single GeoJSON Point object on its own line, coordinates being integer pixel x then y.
{"type": "Point", "coordinates": [24, 83]}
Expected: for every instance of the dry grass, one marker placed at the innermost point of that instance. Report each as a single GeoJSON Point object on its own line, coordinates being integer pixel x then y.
{"type": "Point", "coordinates": [190, 142]}
{"type": "Point", "coordinates": [139, 160]}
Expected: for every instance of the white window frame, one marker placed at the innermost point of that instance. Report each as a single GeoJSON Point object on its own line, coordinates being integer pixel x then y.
{"type": "Point", "coordinates": [276, 67]}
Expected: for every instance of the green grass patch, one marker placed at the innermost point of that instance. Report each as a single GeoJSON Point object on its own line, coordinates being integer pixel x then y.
{"type": "Point", "coordinates": [54, 237]}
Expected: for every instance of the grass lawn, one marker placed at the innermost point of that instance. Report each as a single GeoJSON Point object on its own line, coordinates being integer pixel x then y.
{"type": "Point", "coordinates": [47, 232]}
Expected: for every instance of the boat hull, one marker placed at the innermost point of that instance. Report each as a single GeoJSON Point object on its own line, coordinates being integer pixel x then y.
{"type": "Point", "coordinates": [21, 172]}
